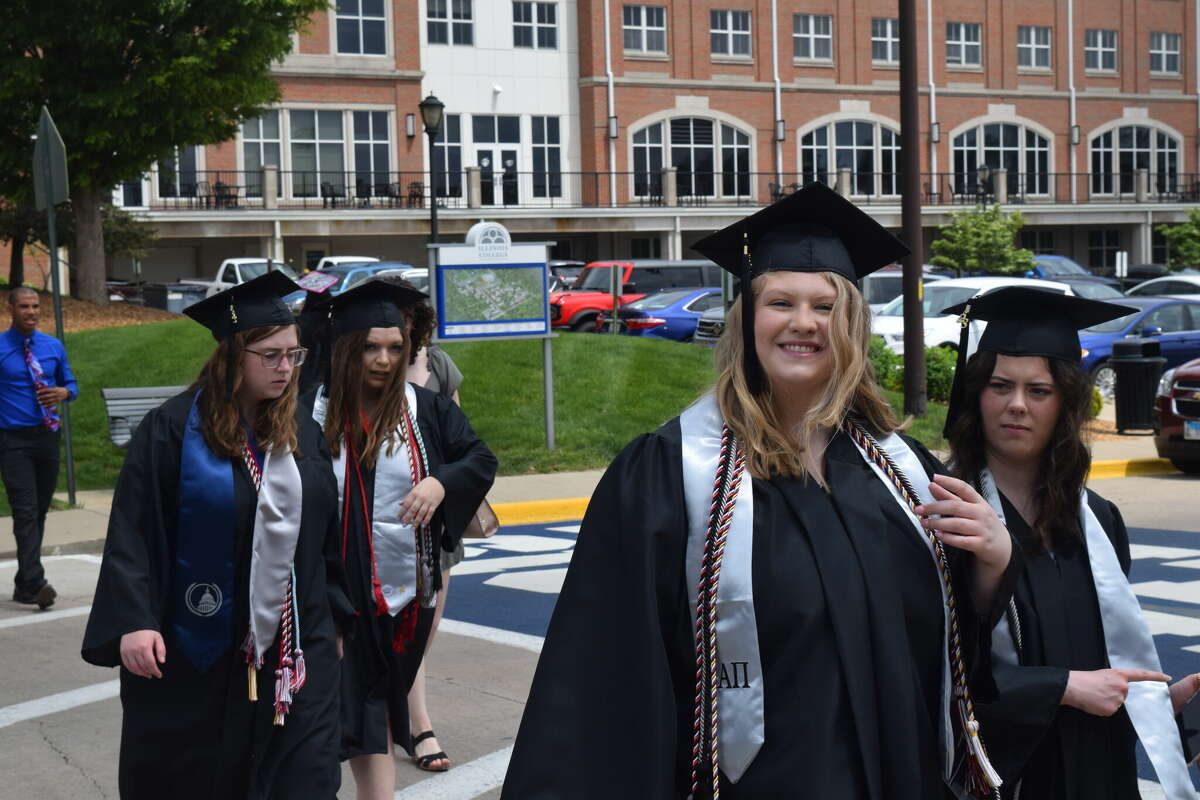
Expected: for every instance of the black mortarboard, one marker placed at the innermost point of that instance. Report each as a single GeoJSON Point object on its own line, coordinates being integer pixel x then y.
{"type": "Point", "coordinates": [814, 229]}
{"type": "Point", "coordinates": [253, 304]}
{"type": "Point", "coordinates": [374, 303]}
{"type": "Point", "coordinates": [1025, 321]}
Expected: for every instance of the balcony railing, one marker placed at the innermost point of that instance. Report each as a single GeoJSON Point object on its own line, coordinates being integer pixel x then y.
{"type": "Point", "coordinates": [474, 188]}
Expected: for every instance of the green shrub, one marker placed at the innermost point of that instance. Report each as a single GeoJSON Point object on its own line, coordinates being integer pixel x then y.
{"type": "Point", "coordinates": [889, 367]}
{"type": "Point", "coordinates": [939, 372]}
{"type": "Point", "coordinates": [1097, 404]}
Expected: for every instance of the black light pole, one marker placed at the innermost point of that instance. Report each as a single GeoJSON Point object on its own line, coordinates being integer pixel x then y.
{"type": "Point", "coordinates": [431, 114]}
{"type": "Point", "coordinates": [915, 397]}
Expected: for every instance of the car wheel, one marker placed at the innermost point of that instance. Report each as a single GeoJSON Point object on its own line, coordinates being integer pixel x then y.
{"type": "Point", "coordinates": [1104, 378]}
{"type": "Point", "coordinates": [1188, 467]}
{"type": "Point", "coordinates": [585, 325]}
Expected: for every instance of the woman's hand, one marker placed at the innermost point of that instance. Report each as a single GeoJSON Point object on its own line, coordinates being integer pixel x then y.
{"type": "Point", "coordinates": [967, 521]}
{"type": "Point", "coordinates": [142, 652]}
{"type": "Point", "coordinates": [1102, 692]}
{"type": "Point", "coordinates": [418, 507]}
{"type": "Point", "coordinates": [1182, 691]}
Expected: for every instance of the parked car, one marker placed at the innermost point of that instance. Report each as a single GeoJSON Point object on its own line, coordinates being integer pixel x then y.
{"type": "Point", "coordinates": [669, 314]}
{"type": "Point", "coordinates": [1092, 288]}
{"type": "Point", "coordinates": [235, 271]}
{"type": "Point", "coordinates": [578, 308]}
{"type": "Point", "coordinates": [336, 261]}
{"type": "Point", "coordinates": [566, 271]}
{"type": "Point", "coordinates": [941, 330]}
{"type": "Point", "coordinates": [1052, 268]}
{"type": "Point", "coordinates": [1174, 321]}
{"type": "Point", "coordinates": [1135, 274]}
{"type": "Point", "coordinates": [710, 326]}
{"type": "Point", "coordinates": [353, 273]}
{"type": "Point", "coordinates": [1179, 284]}
{"type": "Point", "coordinates": [885, 285]}
{"type": "Point", "coordinates": [417, 276]}
{"type": "Point", "coordinates": [1177, 417]}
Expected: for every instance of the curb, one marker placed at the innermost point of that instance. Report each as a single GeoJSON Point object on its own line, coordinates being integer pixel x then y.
{"type": "Point", "coordinates": [1127, 468]}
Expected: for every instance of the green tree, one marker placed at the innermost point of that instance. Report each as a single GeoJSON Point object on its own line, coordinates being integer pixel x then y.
{"type": "Point", "coordinates": [127, 81]}
{"type": "Point", "coordinates": [1183, 241]}
{"type": "Point", "coordinates": [982, 239]}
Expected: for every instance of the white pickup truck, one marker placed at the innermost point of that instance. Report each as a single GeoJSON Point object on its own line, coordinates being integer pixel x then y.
{"type": "Point", "coordinates": [333, 261]}
{"type": "Point", "coordinates": [234, 271]}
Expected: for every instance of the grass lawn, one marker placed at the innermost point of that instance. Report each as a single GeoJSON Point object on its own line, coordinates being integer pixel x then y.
{"type": "Point", "coordinates": [607, 390]}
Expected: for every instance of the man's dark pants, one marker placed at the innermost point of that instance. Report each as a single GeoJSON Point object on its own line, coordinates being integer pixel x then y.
{"type": "Point", "coordinates": [29, 468]}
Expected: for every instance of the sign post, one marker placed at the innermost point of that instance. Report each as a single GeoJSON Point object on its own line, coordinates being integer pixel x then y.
{"type": "Point", "coordinates": [489, 288]}
{"type": "Point", "coordinates": [50, 189]}
{"type": "Point", "coordinates": [1122, 266]}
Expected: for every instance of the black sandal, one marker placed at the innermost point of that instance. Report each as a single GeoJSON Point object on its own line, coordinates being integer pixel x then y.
{"type": "Point", "coordinates": [426, 762]}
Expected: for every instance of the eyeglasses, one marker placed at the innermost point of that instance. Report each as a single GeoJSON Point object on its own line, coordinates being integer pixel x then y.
{"type": "Point", "coordinates": [271, 358]}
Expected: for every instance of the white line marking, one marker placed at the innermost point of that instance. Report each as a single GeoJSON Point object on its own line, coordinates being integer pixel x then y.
{"type": "Point", "coordinates": [565, 529]}
{"type": "Point", "coordinates": [464, 781]}
{"type": "Point", "coordinates": [543, 581]}
{"type": "Point", "coordinates": [78, 557]}
{"type": "Point", "coordinates": [1149, 790]}
{"type": "Point", "coordinates": [477, 566]}
{"type": "Point", "coordinates": [63, 701]}
{"type": "Point", "coordinates": [44, 616]}
{"type": "Point", "coordinates": [524, 641]}
{"type": "Point", "coordinates": [1137, 551]}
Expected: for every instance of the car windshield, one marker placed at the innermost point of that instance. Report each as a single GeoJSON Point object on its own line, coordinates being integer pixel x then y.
{"type": "Point", "coordinates": [596, 279]}
{"type": "Point", "coordinates": [881, 288]}
{"type": "Point", "coordinates": [1113, 325]}
{"type": "Point", "coordinates": [657, 301]}
{"type": "Point", "coordinates": [936, 298]}
{"type": "Point", "coordinates": [1095, 290]}
{"type": "Point", "coordinates": [256, 269]}
{"type": "Point", "coordinates": [419, 282]}
{"type": "Point", "coordinates": [1060, 266]}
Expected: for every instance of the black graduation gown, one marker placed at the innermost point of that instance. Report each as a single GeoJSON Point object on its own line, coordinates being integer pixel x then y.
{"type": "Point", "coordinates": [1056, 752]}
{"type": "Point", "coordinates": [192, 735]}
{"type": "Point", "coordinates": [849, 616]}
{"type": "Point", "coordinates": [376, 679]}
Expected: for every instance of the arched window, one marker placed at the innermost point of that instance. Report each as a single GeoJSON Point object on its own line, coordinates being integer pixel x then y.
{"type": "Point", "coordinates": [1118, 154]}
{"type": "Point", "coordinates": [711, 158]}
{"type": "Point", "coordinates": [869, 150]}
{"type": "Point", "coordinates": [1022, 152]}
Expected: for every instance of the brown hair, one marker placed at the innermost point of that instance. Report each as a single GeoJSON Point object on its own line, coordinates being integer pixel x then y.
{"type": "Point", "coordinates": [1064, 464]}
{"type": "Point", "coordinates": [770, 448]}
{"type": "Point", "coordinates": [274, 420]}
{"type": "Point", "coordinates": [345, 409]}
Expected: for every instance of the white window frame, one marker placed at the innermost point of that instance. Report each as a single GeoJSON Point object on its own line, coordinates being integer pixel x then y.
{"type": "Point", "coordinates": [652, 142]}
{"type": "Point", "coordinates": [550, 154]}
{"type": "Point", "coordinates": [372, 141]}
{"type": "Point", "coordinates": [958, 42]}
{"type": "Point", "coordinates": [260, 143]}
{"type": "Point", "coordinates": [1033, 47]}
{"type": "Point", "coordinates": [1164, 47]}
{"type": "Point", "coordinates": [729, 32]}
{"type": "Point", "coordinates": [457, 18]}
{"type": "Point", "coordinates": [316, 141]}
{"type": "Point", "coordinates": [820, 146]}
{"type": "Point", "coordinates": [1100, 45]}
{"type": "Point", "coordinates": [808, 32]}
{"type": "Point", "coordinates": [539, 20]}
{"type": "Point", "coordinates": [969, 150]}
{"type": "Point", "coordinates": [360, 19]}
{"type": "Point", "coordinates": [885, 31]}
{"type": "Point", "coordinates": [1162, 155]}
{"type": "Point", "coordinates": [643, 27]}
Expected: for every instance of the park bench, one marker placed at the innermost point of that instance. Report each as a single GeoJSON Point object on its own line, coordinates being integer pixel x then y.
{"type": "Point", "coordinates": [126, 407]}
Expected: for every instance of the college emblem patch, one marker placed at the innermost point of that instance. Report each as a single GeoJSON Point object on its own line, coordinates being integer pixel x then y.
{"type": "Point", "coordinates": [203, 599]}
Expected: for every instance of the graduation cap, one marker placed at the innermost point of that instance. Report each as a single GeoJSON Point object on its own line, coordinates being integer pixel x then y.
{"type": "Point", "coordinates": [1025, 321]}
{"type": "Point", "coordinates": [253, 304]}
{"type": "Point", "coordinates": [814, 229]}
{"type": "Point", "coordinates": [374, 303]}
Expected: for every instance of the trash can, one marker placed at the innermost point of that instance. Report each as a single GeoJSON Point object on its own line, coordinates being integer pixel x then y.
{"type": "Point", "coordinates": [1137, 367]}
{"type": "Point", "coordinates": [182, 295]}
{"type": "Point", "coordinates": [154, 295]}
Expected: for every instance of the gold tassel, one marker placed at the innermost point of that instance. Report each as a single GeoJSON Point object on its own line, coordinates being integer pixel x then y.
{"type": "Point", "coordinates": [252, 679]}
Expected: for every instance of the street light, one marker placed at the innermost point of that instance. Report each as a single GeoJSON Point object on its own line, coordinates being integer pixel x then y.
{"type": "Point", "coordinates": [432, 110]}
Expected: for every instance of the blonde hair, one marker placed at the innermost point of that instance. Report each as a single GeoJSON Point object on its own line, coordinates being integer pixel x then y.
{"type": "Point", "coordinates": [274, 420]}
{"type": "Point", "coordinates": [770, 448]}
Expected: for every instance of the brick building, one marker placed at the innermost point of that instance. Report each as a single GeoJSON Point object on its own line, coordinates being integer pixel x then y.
{"type": "Point", "coordinates": [619, 129]}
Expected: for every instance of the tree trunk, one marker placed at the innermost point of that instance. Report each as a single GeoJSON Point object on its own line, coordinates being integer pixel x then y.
{"type": "Point", "coordinates": [89, 244]}
{"type": "Point", "coordinates": [16, 261]}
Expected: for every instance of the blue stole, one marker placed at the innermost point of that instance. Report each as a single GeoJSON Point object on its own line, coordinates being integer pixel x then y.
{"type": "Point", "coordinates": [202, 587]}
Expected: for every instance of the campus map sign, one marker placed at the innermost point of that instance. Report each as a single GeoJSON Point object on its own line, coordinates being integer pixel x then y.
{"type": "Point", "coordinates": [489, 286]}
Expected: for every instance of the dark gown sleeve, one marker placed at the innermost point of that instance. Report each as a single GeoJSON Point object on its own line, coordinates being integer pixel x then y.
{"type": "Point", "coordinates": [135, 571]}
{"type": "Point", "coordinates": [467, 469]}
{"type": "Point", "coordinates": [601, 717]}
{"type": "Point", "coordinates": [336, 581]}
{"type": "Point", "coordinates": [975, 624]}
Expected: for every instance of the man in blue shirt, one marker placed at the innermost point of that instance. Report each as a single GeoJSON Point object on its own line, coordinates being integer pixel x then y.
{"type": "Point", "coordinates": [34, 379]}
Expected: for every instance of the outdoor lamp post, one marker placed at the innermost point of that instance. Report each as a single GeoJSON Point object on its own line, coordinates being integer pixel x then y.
{"type": "Point", "coordinates": [432, 111]}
